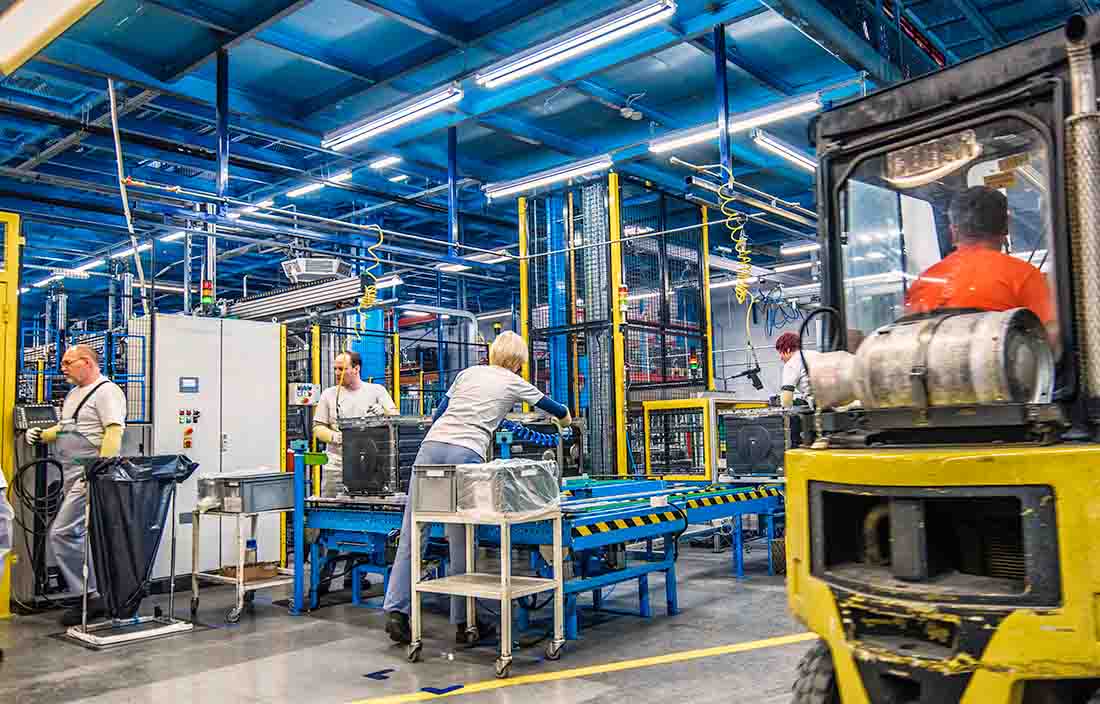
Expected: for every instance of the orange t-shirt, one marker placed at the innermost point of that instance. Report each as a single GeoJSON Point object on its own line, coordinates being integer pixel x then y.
{"type": "Point", "coordinates": [978, 277]}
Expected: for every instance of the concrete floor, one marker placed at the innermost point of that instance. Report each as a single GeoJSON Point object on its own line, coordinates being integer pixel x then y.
{"type": "Point", "coordinates": [324, 657]}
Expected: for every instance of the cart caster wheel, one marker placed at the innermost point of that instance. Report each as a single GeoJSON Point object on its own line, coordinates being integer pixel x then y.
{"type": "Point", "coordinates": [473, 636]}
{"type": "Point", "coordinates": [158, 612]}
{"type": "Point", "coordinates": [250, 598]}
{"type": "Point", "coordinates": [504, 669]}
{"type": "Point", "coordinates": [194, 608]}
{"type": "Point", "coordinates": [553, 650]}
{"type": "Point", "coordinates": [413, 652]}
{"type": "Point", "coordinates": [233, 615]}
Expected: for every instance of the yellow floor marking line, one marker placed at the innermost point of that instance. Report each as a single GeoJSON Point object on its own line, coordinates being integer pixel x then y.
{"type": "Point", "coordinates": [668, 659]}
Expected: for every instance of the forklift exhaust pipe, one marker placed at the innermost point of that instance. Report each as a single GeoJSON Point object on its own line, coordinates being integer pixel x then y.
{"type": "Point", "coordinates": [1083, 192]}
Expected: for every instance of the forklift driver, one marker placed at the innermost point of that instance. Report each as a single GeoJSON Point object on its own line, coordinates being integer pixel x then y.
{"type": "Point", "coordinates": [978, 274]}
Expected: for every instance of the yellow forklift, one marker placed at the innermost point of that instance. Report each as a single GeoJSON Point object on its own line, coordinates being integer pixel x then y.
{"type": "Point", "coordinates": [943, 511]}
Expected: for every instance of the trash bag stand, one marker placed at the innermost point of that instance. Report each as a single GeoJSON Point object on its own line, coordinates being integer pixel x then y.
{"type": "Point", "coordinates": [132, 630]}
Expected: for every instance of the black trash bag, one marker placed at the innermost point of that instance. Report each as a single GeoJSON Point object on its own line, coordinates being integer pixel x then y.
{"type": "Point", "coordinates": [131, 497]}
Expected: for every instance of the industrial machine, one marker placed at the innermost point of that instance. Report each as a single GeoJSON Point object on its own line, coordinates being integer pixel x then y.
{"type": "Point", "coordinates": [757, 439]}
{"type": "Point", "coordinates": [940, 533]}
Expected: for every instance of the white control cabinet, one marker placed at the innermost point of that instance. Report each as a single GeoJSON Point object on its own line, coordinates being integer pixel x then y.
{"type": "Point", "coordinates": [216, 398]}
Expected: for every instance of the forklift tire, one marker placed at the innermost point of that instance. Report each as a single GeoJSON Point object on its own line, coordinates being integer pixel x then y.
{"type": "Point", "coordinates": [816, 683]}
{"type": "Point", "coordinates": [779, 555]}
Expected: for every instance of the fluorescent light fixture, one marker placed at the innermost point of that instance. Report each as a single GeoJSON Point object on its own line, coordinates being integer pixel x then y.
{"type": "Point", "coordinates": [384, 162]}
{"type": "Point", "coordinates": [495, 316]}
{"type": "Point", "coordinates": [543, 178]}
{"type": "Point", "coordinates": [91, 265]}
{"type": "Point", "coordinates": [599, 33]}
{"type": "Point", "coordinates": [47, 281]}
{"type": "Point", "coordinates": [232, 216]}
{"type": "Point", "coordinates": [341, 177]}
{"type": "Point", "coordinates": [632, 230]}
{"type": "Point", "coordinates": [389, 282]}
{"type": "Point", "coordinates": [399, 178]}
{"type": "Point", "coordinates": [490, 257]}
{"type": "Point", "coordinates": [798, 266]}
{"type": "Point", "coordinates": [308, 188]}
{"type": "Point", "coordinates": [24, 290]}
{"type": "Point", "coordinates": [730, 283]}
{"type": "Point", "coordinates": [261, 204]}
{"type": "Point", "coordinates": [875, 256]}
{"type": "Point", "coordinates": [452, 268]}
{"type": "Point", "coordinates": [29, 26]}
{"type": "Point", "coordinates": [127, 252]}
{"type": "Point", "coordinates": [799, 249]}
{"type": "Point", "coordinates": [740, 123]}
{"type": "Point", "coordinates": [412, 109]}
{"type": "Point", "coordinates": [780, 148]}
{"type": "Point", "coordinates": [179, 235]}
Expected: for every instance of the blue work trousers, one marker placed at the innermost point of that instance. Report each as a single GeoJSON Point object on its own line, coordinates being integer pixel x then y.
{"type": "Point", "coordinates": [399, 592]}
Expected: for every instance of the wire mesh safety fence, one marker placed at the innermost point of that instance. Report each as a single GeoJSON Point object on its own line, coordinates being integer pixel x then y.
{"type": "Point", "coordinates": [677, 442]}
{"type": "Point", "coordinates": [429, 366]}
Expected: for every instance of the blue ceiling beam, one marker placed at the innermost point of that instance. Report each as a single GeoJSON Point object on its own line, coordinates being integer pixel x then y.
{"type": "Point", "coordinates": [747, 66]}
{"type": "Point", "coordinates": [990, 35]}
{"type": "Point", "coordinates": [411, 14]}
{"type": "Point", "coordinates": [926, 30]}
{"type": "Point", "coordinates": [266, 15]}
{"type": "Point", "coordinates": [87, 58]}
{"type": "Point", "coordinates": [820, 24]}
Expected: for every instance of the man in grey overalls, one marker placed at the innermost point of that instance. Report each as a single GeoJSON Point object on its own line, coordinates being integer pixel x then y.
{"type": "Point", "coordinates": [92, 420]}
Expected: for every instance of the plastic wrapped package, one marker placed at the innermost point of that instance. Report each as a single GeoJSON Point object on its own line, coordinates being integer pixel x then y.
{"type": "Point", "coordinates": [509, 489]}
{"type": "Point", "coordinates": [7, 515]}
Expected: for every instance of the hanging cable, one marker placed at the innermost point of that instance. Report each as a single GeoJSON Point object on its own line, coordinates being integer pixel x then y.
{"type": "Point", "coordinates": [125, 198]}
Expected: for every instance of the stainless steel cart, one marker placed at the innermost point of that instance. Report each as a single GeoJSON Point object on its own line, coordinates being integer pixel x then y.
{"type": "Point", "coordinates": [503, 587]}
{"type": "Point", "coordinates": [245, 590]}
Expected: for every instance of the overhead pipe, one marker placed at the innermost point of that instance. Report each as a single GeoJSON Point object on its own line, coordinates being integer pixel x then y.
{"type": "Point", "coordinates": [122, 192]}
{"type": "Point", "coordinates": [753, 202]}
{"type": "Point", "coordinates": [774, 200]}
{"type": "Point", "coordinates": [440, 310]}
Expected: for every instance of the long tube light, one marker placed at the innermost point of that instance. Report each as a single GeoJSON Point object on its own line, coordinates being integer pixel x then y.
{"type": "Point", "coordinates": [131, 250]}
{"type": "Point", "coordinates": [30, 25]}
{"type": "Point", "coordinates": [384, 162]}
{"type": "Point", "coordinates": [799, 249]}
{"type": "Point", "coordinates": [389, 282]}
{"type": "Point", "coordinates": [412, 109]}
{"type": "Point", "coordinates": [599, 33]}
{"type": "Point", "coordinates": [798, 266]}
{"type": "Point", "coordinates": [91, 265]}
{"type": "Point", "coordinates": [782, 149]}
{"type": "Point", "coordinates": [178, 235]}
{"type": "Point", "coordinates": [741, 123]}
{"type": "Point", "coordinates": [543, 178]}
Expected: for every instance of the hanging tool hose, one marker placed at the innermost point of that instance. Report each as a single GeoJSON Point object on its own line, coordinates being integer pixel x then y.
{"type": "Point", "coordinates": [125, 198]}
{"type": "Point", "coordinates": [369, 297]}
{"type": "Point", "coordinates": [823, 310]}
{"type": "Point", "coordinates": [43, 509]}
{"type": "Point", "coordinates": [735, 222]}
{"type": "Point", "coordinates": [531, 437]}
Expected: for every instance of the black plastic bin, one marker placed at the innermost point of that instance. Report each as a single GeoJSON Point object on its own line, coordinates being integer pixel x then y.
{"type": "Point", "coordinates": [131, 498]}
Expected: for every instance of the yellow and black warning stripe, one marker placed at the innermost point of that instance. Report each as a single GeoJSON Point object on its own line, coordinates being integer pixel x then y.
{"type": "Point", "coordinates": [599, 527]}
{"type": "Point", "coordinates": [624, 523]}
{"type": "Point", "coordinates": [759, 493]}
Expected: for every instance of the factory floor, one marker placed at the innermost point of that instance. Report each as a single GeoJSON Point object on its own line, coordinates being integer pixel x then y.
{"type": "Point", "coordinates": [725, 646]}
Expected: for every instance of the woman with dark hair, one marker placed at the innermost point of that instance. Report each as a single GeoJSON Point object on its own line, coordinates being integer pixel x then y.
{"type": "Point", "coordinates": [795, 382]}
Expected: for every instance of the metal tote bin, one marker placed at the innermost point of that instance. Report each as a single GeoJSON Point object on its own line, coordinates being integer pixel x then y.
{"type": "Point", "coordinates": [436, 488]}
{"type": "Point", "coordinates": [247, 491]}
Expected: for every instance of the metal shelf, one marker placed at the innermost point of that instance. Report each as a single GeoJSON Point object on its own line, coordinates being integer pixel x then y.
{"type": "Point", "coordinates": [487, 586]}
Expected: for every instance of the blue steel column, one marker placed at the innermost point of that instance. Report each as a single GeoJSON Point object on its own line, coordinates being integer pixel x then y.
{"type": "Point", "coordinates": [222, 118]}
{"type": "Point", "coordinates": [558, 300]}
{"type": "Point", "coordinates": [452, 190]}
{"type": "Point", "coordinates": [722, 97]}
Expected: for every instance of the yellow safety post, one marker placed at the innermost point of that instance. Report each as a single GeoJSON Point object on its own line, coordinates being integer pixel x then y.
{"type": "Point", "coordinates": [282, 435]}
{"type": "Point", "coordinates": [40, 382]}
{"type": "Point", "coordinates": [315, 377]}
{"type": "Point", "coordinates": [524, 293]}
{"type": "Point", "coordinates": [618, 339]}
{"type": "Point", "coordinates": [421, 382]}
{"type": "Point", "coordinates": [9, 346]}
{"type": "Point", "coordinates": [708, 342]}
{"type": "Point", "coordinates": [395, 364]}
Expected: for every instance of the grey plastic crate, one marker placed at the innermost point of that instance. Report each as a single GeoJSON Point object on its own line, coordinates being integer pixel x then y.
{"type": "Point", "coordinates": [436, 489]}
{"type": "Point", "coordinates": [250, 492]}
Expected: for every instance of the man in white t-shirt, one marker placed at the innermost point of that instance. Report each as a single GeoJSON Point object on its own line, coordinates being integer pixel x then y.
{"type": "Point", "coordinates": [350, 398]}
{"type": "Point", "coordinates": [93, 417]}
{"type": "Point", "coordinates": [795, 382]}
